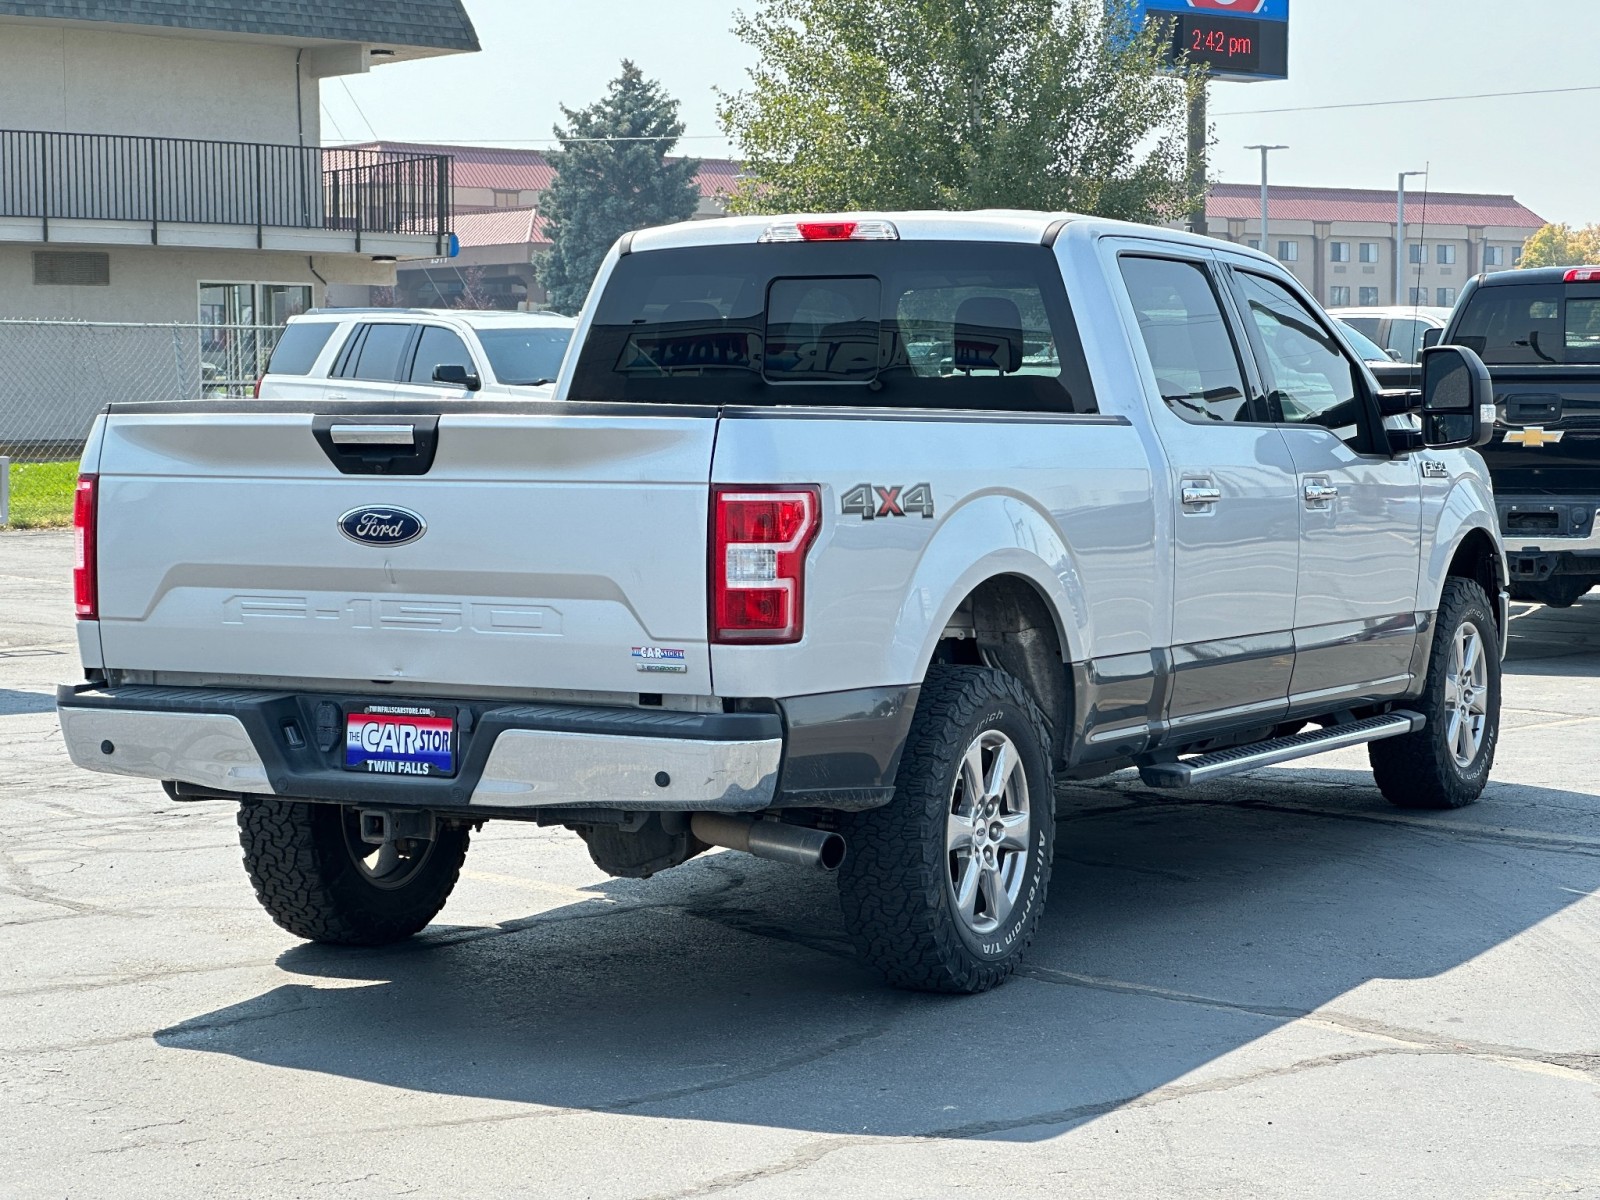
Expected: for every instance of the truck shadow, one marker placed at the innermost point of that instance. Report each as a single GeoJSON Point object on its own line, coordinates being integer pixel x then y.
{"type": "Point", "coordinates": [1177, 934]}
{"type": "Point", "coordinates": [15, 703]}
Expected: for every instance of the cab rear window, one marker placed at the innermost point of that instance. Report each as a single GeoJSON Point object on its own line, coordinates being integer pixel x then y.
{"type": "Point", "coordinates": [299, 347]}
{"type": "Point", "coordinates": [972, 325]}
{"type": "Point", "coordinates": [1533, 324]}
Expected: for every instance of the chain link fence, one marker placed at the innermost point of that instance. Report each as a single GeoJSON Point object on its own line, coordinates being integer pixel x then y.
{"type": "Point", "coordinates": [56, 375]}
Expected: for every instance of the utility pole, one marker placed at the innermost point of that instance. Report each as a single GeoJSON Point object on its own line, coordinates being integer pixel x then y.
{"type": "Point", "coordinates": [1266, 246]}
{"type": "Point", "coordinates": [1400, 237]}
{"type": "Point", "coordinates": [1197, 161]}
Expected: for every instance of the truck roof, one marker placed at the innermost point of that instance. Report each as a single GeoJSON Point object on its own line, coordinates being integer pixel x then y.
{"type": "Point", "coordinates": [1532, 275]}
{"type": "Point", "coordinates": [987, 225]}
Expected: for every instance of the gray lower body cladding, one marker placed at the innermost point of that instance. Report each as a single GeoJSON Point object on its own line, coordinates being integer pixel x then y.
{"type": "Point", "coordinates": [510, 759]}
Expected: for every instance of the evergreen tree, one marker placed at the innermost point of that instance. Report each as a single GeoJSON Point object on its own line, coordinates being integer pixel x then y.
{"type": "Point", "coordinates": [612, 178]}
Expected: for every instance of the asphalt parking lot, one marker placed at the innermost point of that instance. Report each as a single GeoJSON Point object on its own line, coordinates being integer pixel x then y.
{"type": "Point", "coordinates": [1277, 986]}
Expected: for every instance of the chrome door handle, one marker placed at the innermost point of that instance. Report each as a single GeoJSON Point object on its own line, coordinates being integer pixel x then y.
{"type": "Point", "coordinates": [1320, 493]}
{"type": "Point", "coordinates": [1195, 496]}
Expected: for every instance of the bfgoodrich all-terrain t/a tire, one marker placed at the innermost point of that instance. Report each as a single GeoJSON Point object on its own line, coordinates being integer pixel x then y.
{"type": "Point", "coordinates": [1446, 763]}
{"type": "Point", "coordinates": [942, 888]}
{"type": "Point", "coordinates": [318, 879]}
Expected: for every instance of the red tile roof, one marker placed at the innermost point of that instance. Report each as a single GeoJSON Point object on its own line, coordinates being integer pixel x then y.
{"type": "Point", "coordinates": [502, 169]}
{"type": "Point", "coordinates": [1242, 201]}
{"type": "Point", "coordinates": [501, 227]}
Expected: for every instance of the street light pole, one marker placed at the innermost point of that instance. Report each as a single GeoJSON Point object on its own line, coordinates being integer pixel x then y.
{"type": "Point", "coordinates": [1265, 150]}
{"type": "Point", "coordinates": [1400, 236]}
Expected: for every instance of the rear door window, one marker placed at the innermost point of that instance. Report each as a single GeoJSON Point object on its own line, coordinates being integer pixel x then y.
{"type": "Point", "coordinates": [926, 324]}
{"type": "Point", "coordinates": [299, 347]}
{"type": "Point", "coordinates": [1192, 353]}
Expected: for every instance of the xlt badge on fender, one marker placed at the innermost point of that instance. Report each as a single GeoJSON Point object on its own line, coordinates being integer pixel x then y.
{"type": "Point", "coordinates": [374, 526]}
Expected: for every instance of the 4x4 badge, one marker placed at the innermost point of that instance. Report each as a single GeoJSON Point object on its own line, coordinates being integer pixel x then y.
{"type": "Point", "coordinates": [1535, 437]}
{"type": "Point", "coordinates": [1432, 468]}
{"type": "Point", "coordinates": [869, 501]}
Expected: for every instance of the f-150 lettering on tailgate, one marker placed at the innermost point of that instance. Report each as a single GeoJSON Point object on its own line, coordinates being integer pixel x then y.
{"type": "Point", "coordinates": [533, 620]}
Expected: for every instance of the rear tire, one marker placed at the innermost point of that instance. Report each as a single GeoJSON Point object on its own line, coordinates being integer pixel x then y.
{"type": "Point", "coordinates": [1446, 763]}
{"type": "Point", "coordinates": [942, 888]}
{"type": "Point", "coordinates": [1559, 591]}
{"type": "Point", "coordinates": [317, 879]}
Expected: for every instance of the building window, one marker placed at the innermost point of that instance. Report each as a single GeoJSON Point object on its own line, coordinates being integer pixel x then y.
{"type": "Point", "coordinates": [1338, 251]}
{"type": "Point", "coordinates": [1288, 251]}
{"type": "Point", "coordinates": [1255, 243]}
{"type": "Point", "coordinates": [1339, 297]}
{"type": "Point", "coordinates": [1369, 252]}
{"type": "Point", "coordinates": [1418, 252]}
{"type": "Point", "coordinates": [507, 199]}
{"type": "Point", "coordinates": [1447, 297]}
{"type": "Point", "coordinates": [1444, 254]}
{"type": "Point", "coordinates": [1516, 257]}
{"type": "Point", "coordinates": [1494, 256]}
{"type": "Point", "coordinates": [1369, 297]}
{"type": "Point", "coordinates": [1418, 296]}
{"type": "Point", "coordinates": [240, 324]}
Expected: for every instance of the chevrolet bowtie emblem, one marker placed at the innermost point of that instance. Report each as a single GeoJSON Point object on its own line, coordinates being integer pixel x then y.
{"type": "Point", "coordinates": [1535, 437]}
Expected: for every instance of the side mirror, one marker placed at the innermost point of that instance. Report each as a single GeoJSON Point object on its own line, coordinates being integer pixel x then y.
{"type": "Point", "coordinates": [1457, 399]}
{"type": "Point", "coordinates": [457, 376]}
{"type": "Point", "coordinates": [1432, 337]}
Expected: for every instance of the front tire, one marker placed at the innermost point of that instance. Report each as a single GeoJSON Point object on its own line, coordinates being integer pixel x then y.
{"type": "Point", "coordinates": [1446, 763]}
{"type": "Point", "coordinates": [318, 879]}
{"type": "Point", "coordinates": [943, 888]}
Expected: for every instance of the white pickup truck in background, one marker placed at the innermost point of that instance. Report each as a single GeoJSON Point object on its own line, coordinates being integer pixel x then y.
{"type": "Point", "coordinates": [842, 539]}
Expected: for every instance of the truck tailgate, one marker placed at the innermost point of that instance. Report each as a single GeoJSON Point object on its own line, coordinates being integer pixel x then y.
{"type": "Point", "coordinates": [561, 551]}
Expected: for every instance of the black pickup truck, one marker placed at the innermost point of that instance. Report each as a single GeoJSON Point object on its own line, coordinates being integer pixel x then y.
{"type": "Point", "coordinates": [1539, 333]}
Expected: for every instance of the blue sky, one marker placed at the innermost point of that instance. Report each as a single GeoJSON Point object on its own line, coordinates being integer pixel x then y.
{"type": "Point", "coordinates": [542, 53]}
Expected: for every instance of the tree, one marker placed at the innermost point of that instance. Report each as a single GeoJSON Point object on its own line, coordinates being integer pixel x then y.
{"type": "Point", "coordinates": [960, 104]}
{"type": "Point", "coordinates": [613, 177]}
{"type": "Point", "coordinates": [1562, 246]}
{"type": "Point", "coordinates": [474, 293]}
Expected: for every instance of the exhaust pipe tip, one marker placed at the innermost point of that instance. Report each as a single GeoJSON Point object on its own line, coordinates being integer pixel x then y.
{"type": "Point", "coordinates": [795, 844]}
{"type": "Point", "coordinates": [830, 857]}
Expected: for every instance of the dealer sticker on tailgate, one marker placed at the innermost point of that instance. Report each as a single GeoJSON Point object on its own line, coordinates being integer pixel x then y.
{"type": "Point", "coordinates": [397, 739]}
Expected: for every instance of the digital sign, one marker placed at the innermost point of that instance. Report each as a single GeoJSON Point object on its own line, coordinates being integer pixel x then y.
{"type": "Point", "coordinates": [1233, 46]}
{"type": "Point", "coordinates": [1236, 39]}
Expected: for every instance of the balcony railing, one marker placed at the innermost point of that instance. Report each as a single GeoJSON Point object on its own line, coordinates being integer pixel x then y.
{"type": "Point", "coordinates": [159, 181]}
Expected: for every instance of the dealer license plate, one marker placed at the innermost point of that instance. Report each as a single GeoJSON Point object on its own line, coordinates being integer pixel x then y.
{"type": "Point", "coordinates": [400, 739]}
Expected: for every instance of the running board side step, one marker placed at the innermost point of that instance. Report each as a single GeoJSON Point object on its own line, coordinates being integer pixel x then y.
{"type": "Point", "coordinates": [1240, 759]}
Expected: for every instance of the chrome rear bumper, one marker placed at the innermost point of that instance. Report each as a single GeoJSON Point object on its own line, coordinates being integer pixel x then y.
{"type": "Point", "coordinates": [521, 757]}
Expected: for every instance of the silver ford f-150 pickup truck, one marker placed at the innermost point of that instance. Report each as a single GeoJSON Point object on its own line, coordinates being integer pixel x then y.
{"type": "Point", "coordinates": [842, 539]}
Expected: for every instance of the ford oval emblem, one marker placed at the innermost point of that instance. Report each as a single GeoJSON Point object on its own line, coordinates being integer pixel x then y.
{"type": "Point", "coordinates": [375, 526]}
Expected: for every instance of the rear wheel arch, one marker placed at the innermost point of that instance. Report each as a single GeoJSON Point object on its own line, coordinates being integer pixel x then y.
{"type": "Point", "coordinates": [1007, 622]}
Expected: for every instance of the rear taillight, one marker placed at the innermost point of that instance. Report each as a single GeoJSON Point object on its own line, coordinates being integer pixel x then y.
{"type": "Point", "coordinates": [1583, 275]}
{"type": "Point", "coordinates": [257, 393]}
{"type": "Point", "coordinates": [85, 570]}
{"type": "Point", "coordinates": [759, 540]}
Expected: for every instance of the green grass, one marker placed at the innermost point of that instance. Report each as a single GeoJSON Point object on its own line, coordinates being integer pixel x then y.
{"type": "Point", "coordinates": [41, 494]}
